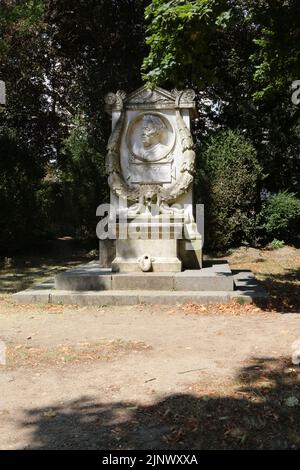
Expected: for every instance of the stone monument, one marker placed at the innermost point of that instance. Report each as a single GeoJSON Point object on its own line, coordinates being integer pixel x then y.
{"type": "Point", "coordinates": [150, 243]}
{"type": "Point", "coordinates": [150, 166]}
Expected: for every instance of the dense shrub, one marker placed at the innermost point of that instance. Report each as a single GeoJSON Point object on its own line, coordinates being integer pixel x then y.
{"type": "Point", "coordinates": [281, 216]}
{"type": "Point", "coordinates": [38, 200]}
{"type": "Point", "coordinates": [70, 192]}
{"type": "Point", "coordinates": [84, 180]}
{"type": "Point", "coordinates": [228, 183]}
{"type": "Point", "coordinates": [20, 175]}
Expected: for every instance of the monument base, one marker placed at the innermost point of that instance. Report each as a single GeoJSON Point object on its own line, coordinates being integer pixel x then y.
{"type": "Point", "coordinates": [91, 285]}
{"type": "Point", "coordinates": [107, 252]}
{"type": "Point", "coordinates": [215, 277]}
{"type": "Point", "coordinates": [162, 265]}
{"type": "Point", "coordinates": [152, 238]}
{"type": "Point", "coordinates": [161, 255]}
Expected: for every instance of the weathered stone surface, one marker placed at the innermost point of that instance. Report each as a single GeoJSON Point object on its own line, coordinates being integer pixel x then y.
{"type": "Point", "coordinates": [247, 287]}
{"type": "Point", "coordinates": [76, 282]}
{"type": "Point", "coordinates": [215, 278]}
{"type": "Point", "coordinates": [212, 284]}
{"type": "Point", "coordinates": [190, 259]}
{"type": "Point", "coordinates": [152, 173]}
{"type": "Point", "coordinates": [162, 254]}
{"type": "Point", "coordinates": [134, 297]}
{"type": "Point", "coordinates": [150, 162]}
{"type": "Point", "coordinates": [107, 252]}
{"type": "Point", "coordinates": [87, 277]}
{"type": "Point", "coordinates": [95, 298]}
{"type": "Point", "coordinates": [32, 296]}
{"type": "Point", "coordinates": [143, 281]}
{"type": "Point", "coordinates": [167, 265]}
{"type": "Point", "coordinates": [173, 298]}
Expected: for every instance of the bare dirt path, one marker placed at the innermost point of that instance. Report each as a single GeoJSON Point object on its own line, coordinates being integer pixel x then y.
{"type": "Point", "coordinates": [160, 377]}
{"type": "Point", "coordinates": [190, 377]}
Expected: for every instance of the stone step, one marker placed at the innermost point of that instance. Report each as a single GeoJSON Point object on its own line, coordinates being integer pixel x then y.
{"type": "Point", "coordinates": [121, 297]}
{"type": "Point", "coordinates": [246, 286]}
{"type": "Point", "coordinates": [217, 277]}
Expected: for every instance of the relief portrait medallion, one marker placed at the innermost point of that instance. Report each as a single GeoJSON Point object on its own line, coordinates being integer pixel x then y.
{"type": "Point", "coordinates": [150, 137]}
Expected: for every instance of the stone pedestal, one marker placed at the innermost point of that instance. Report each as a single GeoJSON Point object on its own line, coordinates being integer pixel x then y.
{"type": "Point", "coordinates": [215, 276]}
{"type": "Point", "coordinates": [148, 243]}
{"type": "Point", "coordinates": [131, 254]}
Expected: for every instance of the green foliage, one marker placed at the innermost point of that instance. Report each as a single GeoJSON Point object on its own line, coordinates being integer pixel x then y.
{"type": "Point", "coordinates": [281, 216]}
{"type": "Point", "coordinates": [84, 179]}
{"type": "Point", "coordinates": [275, 244]}
{"type": "Point", "coordinates": [228, 182]}
{"type": "Point", "coordinates": [243, 57]}
{"type": "Point", "coordinates": [277, 55]}
{"type": "Point", "coordinates": [19, 18]}
{"type": "Point", "coordinates": [189, 38]}
{"type": "Point", "coordinates": [71, 191]}
{"type": "Point", "coordinates": [59, 59]}
{"type": "Point", "coordinates": [180, 33]}
{"type": "Point", "coordinates": [19, 181]}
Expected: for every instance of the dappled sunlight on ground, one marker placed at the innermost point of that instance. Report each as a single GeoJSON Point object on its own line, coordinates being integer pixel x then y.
{"type": "Point", "coordinates": [277, 270]}
{"type": "Point", "coordinates": [258, 409]}
{"type": "Point", "coordinates": [151, 377]}
{"type": "Point", "coordinates": [23, 270]}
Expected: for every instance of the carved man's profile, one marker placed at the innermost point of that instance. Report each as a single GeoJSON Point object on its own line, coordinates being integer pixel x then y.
{"type": "Point", "coordinates": [150, 145]}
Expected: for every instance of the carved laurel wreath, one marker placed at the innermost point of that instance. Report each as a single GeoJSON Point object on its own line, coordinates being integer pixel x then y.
{"type": "Point", "coordinates": [113, 167]}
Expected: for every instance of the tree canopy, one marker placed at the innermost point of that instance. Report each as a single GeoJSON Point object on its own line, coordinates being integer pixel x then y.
{"type": "Point", "coordinates": [243, 57]}
{"type": "Point", "coordinates": [60, 57]}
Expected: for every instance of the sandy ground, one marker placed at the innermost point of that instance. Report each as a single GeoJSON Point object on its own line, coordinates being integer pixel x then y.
{"type": "Point", "coordinates": [111, 377]}
{"type": "Point", "coordinates": [191, 377]}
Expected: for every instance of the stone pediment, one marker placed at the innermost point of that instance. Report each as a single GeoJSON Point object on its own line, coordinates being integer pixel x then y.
{"type": "Point", "coordinates": [145, 98]}
{"type": "Point", "coordinates": [145, 95]}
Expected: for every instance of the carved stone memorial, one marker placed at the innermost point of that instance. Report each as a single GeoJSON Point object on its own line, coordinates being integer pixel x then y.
{"type": "Point", "coordinates": [150, 166]}
{"type": "Point", "coordinates": [150, 243]}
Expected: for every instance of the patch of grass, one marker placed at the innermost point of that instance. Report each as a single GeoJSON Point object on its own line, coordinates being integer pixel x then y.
{"type": "Point", "coordinates": [275, 244]}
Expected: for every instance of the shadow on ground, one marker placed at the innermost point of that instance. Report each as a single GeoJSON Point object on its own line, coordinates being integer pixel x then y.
{"type": "Point", "coordinates": [284, 290]}
{"type": "Point", "coordinates": [25, 269]}
{"type": "Point", "coordinates": [261, 411]}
